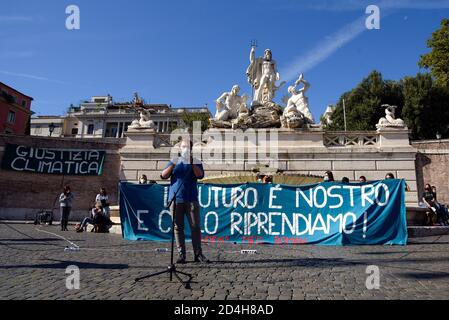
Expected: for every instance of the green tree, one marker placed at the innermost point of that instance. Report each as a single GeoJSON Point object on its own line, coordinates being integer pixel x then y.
{"type": "Point", "coordinates": [363, 103]}
{"type": "Point", "coordinates": [426, 109]}
{"type": "Point", "coordinates": [422, 101]}
{"type": "Point", "coordinates": [437, 60]}
{"type": "Point", "coordinates": [189, 118]}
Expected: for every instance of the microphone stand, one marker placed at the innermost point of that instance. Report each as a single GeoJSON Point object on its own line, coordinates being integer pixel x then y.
{"type": "Point", "coordinates": [172, 267]}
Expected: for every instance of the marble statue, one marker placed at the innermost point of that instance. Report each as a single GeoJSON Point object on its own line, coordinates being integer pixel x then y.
{"type": "Point", "coordinates": [229, 104]}
{"type": "Point", "coordinates": [327, 115]}
{"type": "Point", "coordinates": [243, 118]}
{"type": "Point", "coordinates": [292, 118]}
{"type": "Point", "coordinates": [390, 118]}
{"type": "Point", "coordinates": [144, 122]}
{"type": "Point", "coordinates": [232, 110]}
{"type": "Point", "coordinates": [299, 101]}
{"type": "Point", "coordinates": [262, 75]}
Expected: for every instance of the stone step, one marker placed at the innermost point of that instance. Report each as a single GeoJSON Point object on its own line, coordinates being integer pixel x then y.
{"type": "Point", "coordinates": [427, 231]}
{"type": "Point", "coordinates": [413, 231]}
{"type": "Point", "coordinates": [116, 229]}
{"type": "Point", "coordinates": [114, 211]}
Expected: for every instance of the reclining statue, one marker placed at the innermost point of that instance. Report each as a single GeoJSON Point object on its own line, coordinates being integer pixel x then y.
{"type": "Point", "coordinates": [144, 122]}
{"type": "Point", "coordinates": [390, 118]}
{"type": "Point", "coordinates": [229, 104]}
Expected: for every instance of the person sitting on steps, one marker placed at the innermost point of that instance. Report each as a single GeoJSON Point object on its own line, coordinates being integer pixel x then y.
{"type": "Point", "coordinates": [429, 200]}
{"type": "Point", "coordinates": [97, 219]}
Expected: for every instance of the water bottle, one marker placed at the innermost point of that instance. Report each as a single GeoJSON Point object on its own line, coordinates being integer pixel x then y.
{"type": "Point", "coordinates": [248, 252]}
{"type": "Point", "coordinates": [71, 249]}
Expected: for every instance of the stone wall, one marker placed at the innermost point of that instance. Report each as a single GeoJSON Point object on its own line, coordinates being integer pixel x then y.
{"type": "Point", "coordinates": [22, 194]}
{"type": "Point", "coordinates": [351, 155]}
{"type": "Point", "coordinates": [432, 166]}
{"type": "Point", "coordinates": [297, 153]}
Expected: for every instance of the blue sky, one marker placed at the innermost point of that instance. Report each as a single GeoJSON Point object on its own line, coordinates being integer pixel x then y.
{"type": "Point", "coordinates": [186, 53]}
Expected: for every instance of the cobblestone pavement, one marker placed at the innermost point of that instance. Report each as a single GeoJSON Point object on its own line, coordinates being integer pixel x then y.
{"type": "Point", "coordinates": [33, 266]}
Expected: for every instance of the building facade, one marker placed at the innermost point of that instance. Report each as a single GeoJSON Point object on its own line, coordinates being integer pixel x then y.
{"type": "Point", "coordinates": [15, 111]}
{"type": "Point", "coordinates": [47, 126]}
{"type": "Point", "coordinates": [101, 117]}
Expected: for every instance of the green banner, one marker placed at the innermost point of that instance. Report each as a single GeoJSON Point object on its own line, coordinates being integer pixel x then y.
{"type": "Point", "coordinates": [53, 161]}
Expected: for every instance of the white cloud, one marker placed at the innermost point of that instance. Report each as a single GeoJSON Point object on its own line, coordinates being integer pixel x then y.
{"type": "Point", "coordinates": [324, 49]}
{"type": "Point", "coordinates": [353, 5]}
{"type": "Point", "coordinates": [29, 76]}
{"type": "Point", "coordinates": [15, 19]}
{"type": "Point", "coordinates": [333, 42]}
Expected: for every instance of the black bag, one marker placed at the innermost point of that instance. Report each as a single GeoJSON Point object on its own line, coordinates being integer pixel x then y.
{"type": "Point", "coordinates": [445, 211]}
{"type": "Point", "coordinates": [104, 204]}
{"type": "Point", "coordinates": [43, 217]}
{"type": "Point", "coordinates": [99, 218]}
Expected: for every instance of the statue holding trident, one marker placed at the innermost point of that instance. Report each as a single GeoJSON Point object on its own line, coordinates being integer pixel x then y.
{"type": "Point", "coordinates": [262, 75]}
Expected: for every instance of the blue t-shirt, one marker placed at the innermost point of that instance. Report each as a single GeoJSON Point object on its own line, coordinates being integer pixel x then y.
{"type": "Point", "coordinates": [183, 171]}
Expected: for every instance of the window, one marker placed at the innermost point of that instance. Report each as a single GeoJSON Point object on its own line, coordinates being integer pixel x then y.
{"type": "Point", "coordinates": [24, 103]}
{"type": "Point", "coordinates": [90, 129]}
{"type": "Point", "coordinates": [11, 117]}
{"type": "Point", "coordinates": [111, 130]}
{"type": "Point", "coordinates": [9, 98]}
{"type": "Point", "coordinates": [74, 131]}
{"type": "Point", "coordinates": [120, 130]}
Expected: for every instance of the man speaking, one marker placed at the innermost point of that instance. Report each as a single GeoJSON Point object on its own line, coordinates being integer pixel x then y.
{"type": "Point", "coordinates": [184, 172]}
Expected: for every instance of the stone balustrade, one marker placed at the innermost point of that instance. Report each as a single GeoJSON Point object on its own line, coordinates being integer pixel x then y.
{"type": "Point", "coordinates": [311, 152]}
{"type": "Point", "coordinates": [351, 139]}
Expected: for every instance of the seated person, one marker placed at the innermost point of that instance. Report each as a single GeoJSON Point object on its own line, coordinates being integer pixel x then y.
{"type": "Point", "coordinates": [440, 206]}
{"type": "Point", "coordinates": [328, 176]}
{"type": "Point", "coordinates": [434, 192]}
{"type": "Point", "coordinates": [104, 199]}
{"type": "Point", "coordinates": [143, 179]}
{"type": "Point", "coordinates": [430, 201]}
{"type": "Point", "coordinates": [267, 179]}
{"type": "Point", "coordinates": [260, 177]}
{"type": "Point", "coordinates": [389, 176]}
{"type": "Point", "coordinates": [98, 219]}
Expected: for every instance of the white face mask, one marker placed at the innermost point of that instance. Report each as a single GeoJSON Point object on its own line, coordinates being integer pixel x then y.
{"type": "Point", "coordinates": [185, 152]}
{"type": "Point", "coordinates": [326, 178]}
{"type": "Point", "coordinates": [142, 181]}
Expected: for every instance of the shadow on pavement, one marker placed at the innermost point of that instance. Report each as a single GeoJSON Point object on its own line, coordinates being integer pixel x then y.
{"type": "Point", "coordinates": [32, 240]}
{"type": "Point", "coordinates": [425, 275]}
{"type": "Point", "coordinates": [62, 264]}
